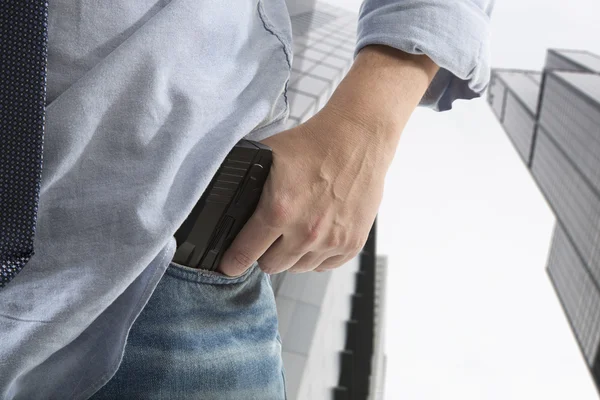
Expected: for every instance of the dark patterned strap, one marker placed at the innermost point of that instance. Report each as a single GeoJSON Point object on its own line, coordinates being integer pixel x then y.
{"type": "Point", "coordinates": [23, 59]}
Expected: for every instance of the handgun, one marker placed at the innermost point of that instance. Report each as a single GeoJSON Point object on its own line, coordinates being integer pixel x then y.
{"type": "Point", "coordinates": [225, 206]}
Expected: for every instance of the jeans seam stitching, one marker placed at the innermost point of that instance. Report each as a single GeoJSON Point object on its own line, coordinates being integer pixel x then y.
{"type": "Point", "coordinates": [197, 277]}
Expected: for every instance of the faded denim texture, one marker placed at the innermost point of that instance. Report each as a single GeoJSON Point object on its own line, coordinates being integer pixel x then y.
{"type": "Point", "coordinates": [203, 336]}
{"type": "Point", "coordinates": [145, 99]}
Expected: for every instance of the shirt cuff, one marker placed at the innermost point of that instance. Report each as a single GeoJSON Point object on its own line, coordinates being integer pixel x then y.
{"type": "Point", "coordinates": [454, 34]}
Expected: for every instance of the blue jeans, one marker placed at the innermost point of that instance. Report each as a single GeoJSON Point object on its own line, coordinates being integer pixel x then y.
{"type": "Point", "coordinates": [205, 336]}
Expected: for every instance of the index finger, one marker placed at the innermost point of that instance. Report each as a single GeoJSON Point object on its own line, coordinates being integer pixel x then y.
{"type": "Point", "coordinates": [253, 241]}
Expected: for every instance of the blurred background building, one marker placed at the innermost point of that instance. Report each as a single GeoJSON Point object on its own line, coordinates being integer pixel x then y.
{"type": "Point", "coordinates": [331, 323]}
{"type": "Point", "coordinates": [553, 120]}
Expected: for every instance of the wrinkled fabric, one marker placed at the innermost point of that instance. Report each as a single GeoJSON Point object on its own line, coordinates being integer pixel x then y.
{"type": "Point", "coordinates": [145, 99]}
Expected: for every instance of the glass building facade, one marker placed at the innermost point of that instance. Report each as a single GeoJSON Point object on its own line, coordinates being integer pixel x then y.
{"type": "Point", "coordinates": [553, 120]}
{"type": "Point", "coordinates": [331, 323]}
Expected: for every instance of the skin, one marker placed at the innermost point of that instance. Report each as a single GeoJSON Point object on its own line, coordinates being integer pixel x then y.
{"type": "Point", "coordinates": [326, 181]}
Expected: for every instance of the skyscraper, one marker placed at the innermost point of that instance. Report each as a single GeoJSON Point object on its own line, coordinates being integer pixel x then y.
{"type": "Point", "coordinates": [553, 120]}
{"type": "Point", "coordinates": [331, 323]}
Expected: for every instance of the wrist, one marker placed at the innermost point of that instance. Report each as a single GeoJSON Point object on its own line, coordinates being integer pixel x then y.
{"type": "Point", "coordinates": [381, 91]}
{"type": "Point", "coordinates": [336, 128]}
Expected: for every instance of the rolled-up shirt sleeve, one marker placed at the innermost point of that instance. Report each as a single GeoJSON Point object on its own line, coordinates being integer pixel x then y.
{"type": "Point", "coordinates": [455, 34]}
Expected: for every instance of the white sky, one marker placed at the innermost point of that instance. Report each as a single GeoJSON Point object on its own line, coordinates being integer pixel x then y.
{"type": "Point", "coordinates": [471, 312]}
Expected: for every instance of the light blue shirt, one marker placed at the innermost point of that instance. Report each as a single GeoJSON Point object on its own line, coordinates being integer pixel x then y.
{"type": "Point", "coordinates": [145, 99]}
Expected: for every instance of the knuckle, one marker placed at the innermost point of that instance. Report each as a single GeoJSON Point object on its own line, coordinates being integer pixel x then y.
{"type": "Point", "coordinates": [331, 264]}
{"type": "Point", "coordinates": [355, 245]}
{"type": "Point", "coordinates": [304, 266]}
{"type": "Point", "coordinates": [306, 262]}
{"type": "Point", "coordinates": [278, 213]}
{"type": "Point", "coordinates": [311, 234]}
{"type": "Point", "coordinates": [333, 242]}
{"type": "Point", "coordinates": [312, 231]}
{"type": "Point", "coordinates": [242, 259]}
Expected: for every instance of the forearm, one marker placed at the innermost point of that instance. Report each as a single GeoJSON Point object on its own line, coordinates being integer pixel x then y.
{"type": "Point", "coordinates": [380, 92]}
{"type": "Point", "coordinates": [454, 34]}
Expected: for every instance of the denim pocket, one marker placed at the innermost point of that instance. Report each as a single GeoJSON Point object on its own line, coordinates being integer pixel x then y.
{"type": "Point", "coordinates": [203, 335]}
{"type": "Point", "coordinates": [207, 277]}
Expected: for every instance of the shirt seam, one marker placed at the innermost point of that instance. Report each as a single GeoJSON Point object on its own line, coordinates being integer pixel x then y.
{"type": "Point", "coordinates": [271, 29]}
